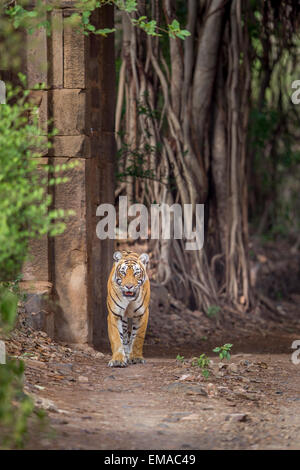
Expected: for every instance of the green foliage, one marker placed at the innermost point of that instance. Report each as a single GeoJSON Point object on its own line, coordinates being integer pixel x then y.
{"type": "Point", "coordinates": [276, 164]}
{"type": "Point", "coordinates": [203, 362]}
{"type": "Point", "coordinates": [145, 110]}
{"type": "Point", "coordinates": [15, 406]}
{"type": "Point", "coordinates": [263, 125]}
{"type": "Point", "coordinates": [137, 160]}
{"type": "Point", "coordinates": [174, 31]}
{"type": "Point", "coordinates": [134, 162]}
{"type": "Point", "coordinates": [213, 310]}
{"type": "Point", "coordinates": [180, 358]}
{"type": "Point", "coordinates": [8, 308]}
{"type": "Point", "coordinates": [25, 213]}
{"type": "Point", "coordinates": [29, 19]}
{"type": "Point", "coordinates": [22, 17]}
{"type": "Point", "coordinates": [223, 351]}
{"type": "Point", "coordinates": [273, 128]}
{"type": "Point", "coordinates": [129, 6]}
{"type": "Point", "coordinates": [150, 27]}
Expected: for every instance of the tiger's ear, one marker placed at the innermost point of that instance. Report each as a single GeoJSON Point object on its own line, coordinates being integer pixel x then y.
{"type": "Point", "coordinates": [144, 258]}
{"type": "Point", "coordinates": [117, 256]}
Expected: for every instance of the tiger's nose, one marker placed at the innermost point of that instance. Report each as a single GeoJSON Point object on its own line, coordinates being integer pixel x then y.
{"type": "Point", "coordinates": [129, 286]}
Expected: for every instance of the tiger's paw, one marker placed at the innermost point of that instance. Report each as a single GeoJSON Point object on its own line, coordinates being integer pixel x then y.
{"type": "Point", "coordinates": [113, 363]}
{"type": "Point", "coordinates": [118, 360]}
{"type": "Point", "coordinates": [136, 360]}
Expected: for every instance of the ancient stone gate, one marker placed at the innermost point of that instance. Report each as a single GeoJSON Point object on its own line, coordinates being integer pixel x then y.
{"type": "Point", "coordinates": [72, 269]}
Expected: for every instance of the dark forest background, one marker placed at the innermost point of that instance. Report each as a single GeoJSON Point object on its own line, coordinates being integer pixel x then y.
{"type": "Point", "coordinates": [210, 120]}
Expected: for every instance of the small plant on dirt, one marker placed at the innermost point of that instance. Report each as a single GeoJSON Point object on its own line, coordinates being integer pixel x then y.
{"type": "Point", "coordinates": [223, 351]}
{"type": "Point", "coordinates": [212, 311]}
{"type": "Point", "coordinates": [179, 358]}
{"type": "Point", "coordinates": [203, 362]}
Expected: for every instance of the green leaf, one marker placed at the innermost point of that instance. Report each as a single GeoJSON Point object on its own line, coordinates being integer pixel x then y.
{"type": "Point", "coordinates": [104, 31]}
{"type": "Point", "coordinates": [32, 14]}
{"type": "Point", "coordinates": [175, 24]}
{"type": "Point", "coordinates": [91, 27]}
{"type": "Point", "coordinates": [127, 5]}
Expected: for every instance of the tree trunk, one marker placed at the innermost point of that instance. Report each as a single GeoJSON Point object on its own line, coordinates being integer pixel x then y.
{"type": "Point", "coordinates": [197, 144]}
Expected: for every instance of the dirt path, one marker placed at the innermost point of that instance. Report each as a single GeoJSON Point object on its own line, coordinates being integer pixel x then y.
{"type": "Point", "coordinates": [255, 404]}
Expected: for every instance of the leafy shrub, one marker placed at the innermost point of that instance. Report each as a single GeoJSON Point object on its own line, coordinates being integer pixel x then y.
{"type": "Point", "coordinates": [24, 204]}
{"type": "Point", "coordinates": [203, 362]}
{"type": "Point", "coordinates": [25, 213]}
{"type": "Point", "coordinates": [180, 358]}
{"type": "Point", "coordinates": [212, 311]}
{"type": "Point", "coordinates": [223, 351]}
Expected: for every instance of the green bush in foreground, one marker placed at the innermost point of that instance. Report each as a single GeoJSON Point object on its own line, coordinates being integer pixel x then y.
{"type": "Point", "coordinates": [24, 204]}
{"type": "Point", "coordinates": [25, 214]}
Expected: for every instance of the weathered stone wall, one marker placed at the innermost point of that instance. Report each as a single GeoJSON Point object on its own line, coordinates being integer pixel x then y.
{"type": "Point", "coordinates": [79, 98]}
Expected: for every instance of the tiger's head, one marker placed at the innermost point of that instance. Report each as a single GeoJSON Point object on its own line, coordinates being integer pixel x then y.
{"type": "Point", "coordinates": [130, 272]}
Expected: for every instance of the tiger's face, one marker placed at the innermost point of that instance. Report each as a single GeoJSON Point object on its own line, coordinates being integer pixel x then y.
{"type": "Point", "coordinates": [130, 273]}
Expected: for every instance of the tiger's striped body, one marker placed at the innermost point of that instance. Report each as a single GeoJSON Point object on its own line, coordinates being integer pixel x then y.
{"type": "Point", "coordinates": [128, 296]}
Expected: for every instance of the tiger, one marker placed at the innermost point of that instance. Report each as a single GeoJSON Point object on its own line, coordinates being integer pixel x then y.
{"type": "Point", "coordinates": [128, 296]}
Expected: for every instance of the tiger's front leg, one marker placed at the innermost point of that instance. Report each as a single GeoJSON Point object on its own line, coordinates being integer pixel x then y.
{"type": "Point", "coordinates": [125, 337]}
{"type": "Point", "coordinates": [115, 333]}
{"type": "Point", "coordinates": [139, 327]}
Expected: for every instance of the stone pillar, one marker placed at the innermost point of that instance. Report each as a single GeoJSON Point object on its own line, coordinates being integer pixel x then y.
{"type": "Point", "coordinates": [79, 98]}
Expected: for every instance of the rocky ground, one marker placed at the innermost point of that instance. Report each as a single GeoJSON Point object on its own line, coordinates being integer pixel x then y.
{"type": "Point", "coordinates": [251, 401]}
